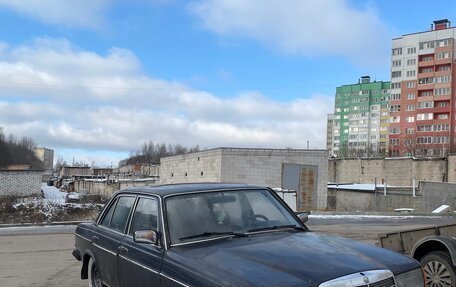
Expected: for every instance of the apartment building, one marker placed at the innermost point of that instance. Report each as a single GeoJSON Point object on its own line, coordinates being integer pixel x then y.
{"type": "Point", "coordinates": [46, 156]}
{"type": "Point", "coordinates": [422, 101]}
{"type": "Point", "coordinates": [329, 134]}
{"type": "Point", "coordinates": [361, 115]}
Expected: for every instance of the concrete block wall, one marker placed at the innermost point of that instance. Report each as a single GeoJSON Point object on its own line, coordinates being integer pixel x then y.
{"type": "Point", "coordinates": [20, 183]}
{"type": "Point", "coordinates": [398, 171]}
{"type": "Point", "coordinates": [438, 193]}
{"type": "Point", "coordinates": [451, 168]}
{"type": "Point", "coordinates": [264, 167]}
{"type": "Point", "coordinates": [202, 166]}
{"type": "Point", "coordinates": [243, 165]}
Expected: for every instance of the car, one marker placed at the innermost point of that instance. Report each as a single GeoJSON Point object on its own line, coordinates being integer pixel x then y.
{"type": "Point", "coordinates": [224, 235]}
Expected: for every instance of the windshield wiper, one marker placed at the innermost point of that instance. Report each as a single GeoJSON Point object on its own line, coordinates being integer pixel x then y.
{"type": "Point", "coordinates": [210, 233]}
{"type": "Point", "coordinates": [276, 227]}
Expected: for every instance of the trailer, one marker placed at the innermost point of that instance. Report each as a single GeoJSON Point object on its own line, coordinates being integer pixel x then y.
{"type": "Point", "coordinates": [434, 247]}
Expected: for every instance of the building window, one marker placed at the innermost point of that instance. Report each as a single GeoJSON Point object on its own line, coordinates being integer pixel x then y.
{"type": "Point", "coordinates": [409, 131]}
{"type": "Point", "coordinates": [410, 96]}
{"type": "Point", "coordinates": [411, 85]}
{"type": "Point", "coordinates": [443, 79]}
{"type": "Point", "coordinates": [411, 73]}
{"type": "Point", "coordinates": [397, 51]}
{"type": "Point", "coordinates": [443, 55]}
{"type": "Point", "coordinates": [423, 117]}
{"type": "Point", "coordinates": [202, 173]}
{"type": "Point", "coordinates": [443, 68]}
{"type": "Point", "coordinates": [396, 74]}
{"type": "Point", "coordinates": [396, 119]}
{"type": "Point", "coordinates": [394, 141]}
{"type": "Point", "coordinates": [425, 105]}
{"type": "Point", "coordinates": [410, 119]}
{"type": "Point", "coordinates": [395, 131]}
{"type": "Point", "coordinates": [426, 70]}
{"type": "Point", "coordinates": [172, 174]}
{"type": "Point", "coordinates": [395, 85]}
{"type": "Point", "coordinates": [395, 97]}
{"type": "Point", "coordinates": [410, 108]}
{"type": "Point", "coordinates": [425, 94]}
{"type": "Point", "coordinates": [395, 108]}
{"type": "Point", "coordinates": [411, 50]}
{"type": "Point", "coordinates": [442, 116]}
{"type": "Point", "coordinates": [425, 81]}
{"type": "Point", "coordinates": [427, 45]}
{"type": "Point", "coordinates": [411, 62]}
{"type": "Point", "coordinates": [396, 63]}
{"type": "Point", "coordinates": [424, 128]}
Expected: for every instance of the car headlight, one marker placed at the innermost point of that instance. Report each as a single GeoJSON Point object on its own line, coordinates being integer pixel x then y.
{"type": "Point", "coordinates": [411, 278]}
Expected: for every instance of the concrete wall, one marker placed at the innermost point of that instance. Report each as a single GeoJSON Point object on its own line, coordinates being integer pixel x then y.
{"type": "Point", "coordinates": [20, 183]}
{"type": "Point", "coordinates": [242, 165]}
{"type": "Point", "coordinates": [264, 167]}
{"type": "Point", "coordinates": [368, 201]}
{"type": "Point", "coordinates": [106, 190]}
{"type": "Point", "coordinates": [398, 171]}
{"type": "Point", "coordinates": [202, 166]}
{"type": "Point", "coordinates": [452, 168]}
{"type": "Point", "coordinates": [438, 193]}
{"type": "Point", "coordinates": [429, 196]}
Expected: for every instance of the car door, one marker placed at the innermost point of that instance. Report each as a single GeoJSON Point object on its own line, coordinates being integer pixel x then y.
{"type": "Point", "coordinates": [140, 263]}
{"type": "Point", "coordinates": [107, 242]}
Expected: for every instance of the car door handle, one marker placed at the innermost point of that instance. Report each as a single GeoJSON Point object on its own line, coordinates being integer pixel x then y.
{"type": "Point", "coordinates": [95, 238]}
{"type": "Point", "coordinates": [122, 250]}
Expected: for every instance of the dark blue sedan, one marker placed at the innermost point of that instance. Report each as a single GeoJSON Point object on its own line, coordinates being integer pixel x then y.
{"type": "Point", "coordinates": [224, 235]}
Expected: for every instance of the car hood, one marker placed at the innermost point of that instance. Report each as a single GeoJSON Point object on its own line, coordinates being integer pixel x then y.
{"type": "Point", "coordinates": [282, 259]}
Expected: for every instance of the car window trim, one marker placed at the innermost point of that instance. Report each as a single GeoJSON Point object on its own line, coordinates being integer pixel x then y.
{"type": "Point", "coordinates": [129, 214]}
{"type": "Point", "coordinates": [159, 215]}
{"type": "Point", "coordinates": [105, 212]}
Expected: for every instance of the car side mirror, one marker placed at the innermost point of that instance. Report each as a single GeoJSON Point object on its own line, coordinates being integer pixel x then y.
{"type": "Point", "coordinates": [146, 236]}
{"type": "Point", "coordinates": [303, 216]}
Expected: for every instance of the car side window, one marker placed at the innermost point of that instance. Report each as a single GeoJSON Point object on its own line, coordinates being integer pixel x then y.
{"type": "Point", "coordinates": [121, 212]}
{"type": "Point", "coordinates": [107, 218]}
{"type": "Point", "coordinates": [145, 216]}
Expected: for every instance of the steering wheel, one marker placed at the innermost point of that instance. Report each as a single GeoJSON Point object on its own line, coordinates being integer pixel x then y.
{"type": "Point", "coordinates": [253, 218]}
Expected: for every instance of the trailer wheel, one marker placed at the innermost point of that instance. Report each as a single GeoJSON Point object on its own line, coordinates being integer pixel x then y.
{"type": "Point", "coordinates": [438, 269]}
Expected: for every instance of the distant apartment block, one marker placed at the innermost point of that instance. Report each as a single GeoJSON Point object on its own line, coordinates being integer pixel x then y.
{"type": "Point", "coordinates": [46, 156]}
{"type": "Point", "coordinates": [360, 126]}
{"type": "Point", "coordinates": [422, 117]}
{"type": "Point", "coordinates": [329, 134]}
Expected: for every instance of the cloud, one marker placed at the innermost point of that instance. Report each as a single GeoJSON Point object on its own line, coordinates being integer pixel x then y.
{"type": "Point", "coordinates": [305, 27]}
{"type": "Point", "coordinates": [68, 98]}
{"type": "Point", "coordinates": [80, 13]}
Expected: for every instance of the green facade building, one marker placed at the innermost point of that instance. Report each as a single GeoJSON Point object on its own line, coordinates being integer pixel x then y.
{"type": "Point", "coordinates": [361, 115]}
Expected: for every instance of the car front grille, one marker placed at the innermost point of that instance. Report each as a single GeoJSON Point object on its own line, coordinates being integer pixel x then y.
{"type": "Point", "coordinates": [371, 278]}
{"type": "Point", "coordinates": [388, 282]}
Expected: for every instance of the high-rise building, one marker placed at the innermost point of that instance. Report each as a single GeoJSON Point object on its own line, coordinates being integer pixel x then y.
{"type": "Point", "coordinates": [422, 105]}
{"type": "Point", "coordinates": [46, 156]}
{"type": "Point", "coordinates": [329, 134]}
{"type": "Point", "coordinates": [360, 125]}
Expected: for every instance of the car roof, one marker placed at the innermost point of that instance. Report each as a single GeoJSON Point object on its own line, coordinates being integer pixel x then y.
{"type": "Point", "coordinates": [168, 189]}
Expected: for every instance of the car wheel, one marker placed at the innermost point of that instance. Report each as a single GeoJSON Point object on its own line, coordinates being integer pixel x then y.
{"type": "Point", "coordinates": [94, 275]}
{"type": "Point", "coordinates": [438, 269]}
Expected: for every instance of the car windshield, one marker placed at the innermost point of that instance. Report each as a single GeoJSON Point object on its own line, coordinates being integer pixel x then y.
{"type": "Point", "coordinates": [236, 212]}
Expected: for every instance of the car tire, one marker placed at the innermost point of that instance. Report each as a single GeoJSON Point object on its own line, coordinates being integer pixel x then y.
{"type": "Point", "coordinates": [438, 269]}
{"type": "Point", "coordinates": [94, 275]}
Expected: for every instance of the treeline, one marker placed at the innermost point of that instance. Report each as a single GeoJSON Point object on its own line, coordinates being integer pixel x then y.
{"type": "Point", "coordinates": [18, 151]}
{"type": "Point", "coordinates": [150, 153]}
